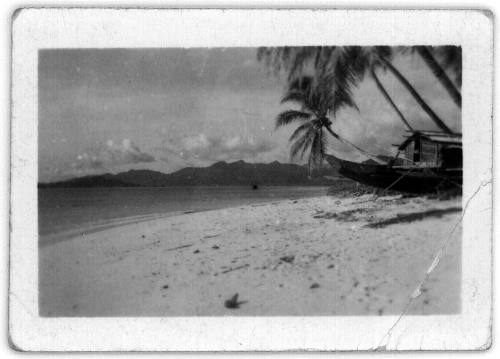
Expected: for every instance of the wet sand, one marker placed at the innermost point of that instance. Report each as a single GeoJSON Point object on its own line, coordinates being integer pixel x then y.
{"type": "Point", "coordinates": [315, 256]}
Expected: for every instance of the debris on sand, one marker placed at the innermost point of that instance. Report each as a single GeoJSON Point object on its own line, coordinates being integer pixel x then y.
{"type": "Point", "coordinates": [180, 247]}
{"type": "Point", "coordinates": [288, 259]}
{"type": "Point", "coordinates": [233, 302]}
{"type": "Point", "coordinates": [215, 247]}
{"type": "Point", "coordinates": [314, 286]}
{"type": "Point", "coordinates": [351, 215]}
{"type": "Point", "coordinates": [235, 268]}
{"type": "Point", "coordinates": [165, 286]}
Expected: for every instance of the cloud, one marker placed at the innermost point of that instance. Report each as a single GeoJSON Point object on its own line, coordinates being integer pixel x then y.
{"type": "Point", "coordinates": [110, 155]}
{"type": "Point", "coordinates": [207, 148]}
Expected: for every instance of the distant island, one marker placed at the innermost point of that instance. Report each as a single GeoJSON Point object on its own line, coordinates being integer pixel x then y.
{"type": "Point", "coordinates": [239, 173]}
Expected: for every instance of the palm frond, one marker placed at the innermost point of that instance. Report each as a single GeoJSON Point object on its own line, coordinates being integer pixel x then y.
{"type": "Point", "coordinates": [317, 153]}
{"type": "Point", "coordinates": [276, 58]}
{"type": "Point", "coordinates": [289, 116]}
{"type": "Point", "coordinates": [299, 91]}
{"type": "Point", "coordinates": [387, 52]}
{"type": "Point", "coordinates": [301, 84]}
{"type": "Point", "coordinates": [311, 135]}
{"type": "Point", "coordinates": [450, 57]}
{"type": "Point", "coordinates": [305, 138]}
{"type": "Point", "coordinates": [302, 144]}
{"type": "Point", "coordinates": [300, 98]}
{"type": "Point", "coordinates": [341, 80]}
{"type": "Point", "coordinates": [299, 130]}
{"type": "Point", "coordinates": [302, 56]}
{"type": "Point", "coordinates": [319, 56]}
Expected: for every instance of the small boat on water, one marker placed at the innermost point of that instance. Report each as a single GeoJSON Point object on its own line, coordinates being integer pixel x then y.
{"type": "Point", "coordinates": [426, 161]}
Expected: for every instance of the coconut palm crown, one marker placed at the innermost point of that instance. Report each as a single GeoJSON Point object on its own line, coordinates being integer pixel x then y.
{"type": "Point", "coordinates": [309, 136]}
{"type": "Point", "coordinates": [317, 100]}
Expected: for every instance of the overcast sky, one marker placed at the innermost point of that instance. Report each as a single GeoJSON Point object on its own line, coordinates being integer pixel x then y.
{"type": "Point", "coordinates": [164, 109]}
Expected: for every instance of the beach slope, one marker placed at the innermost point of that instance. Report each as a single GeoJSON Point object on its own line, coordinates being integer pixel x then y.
{"type": "Point", "coordinates": [315, 256]}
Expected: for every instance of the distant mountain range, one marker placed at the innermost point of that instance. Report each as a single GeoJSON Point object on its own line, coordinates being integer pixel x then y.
{"type": "Point", "coordinates": [238, 173]}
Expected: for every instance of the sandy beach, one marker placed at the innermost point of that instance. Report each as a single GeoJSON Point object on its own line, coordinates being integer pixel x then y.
{"type": "Point", "coordinates": [314, 256]}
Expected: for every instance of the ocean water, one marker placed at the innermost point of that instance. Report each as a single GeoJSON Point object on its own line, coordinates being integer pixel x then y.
{"type": "Point", "coordinates": [66, 212]}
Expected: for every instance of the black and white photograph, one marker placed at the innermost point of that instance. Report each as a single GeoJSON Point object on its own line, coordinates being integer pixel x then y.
{"type": "Point", "coordinates": [262, 181]}
{"type": "Point", "coordinates": [249, 181]}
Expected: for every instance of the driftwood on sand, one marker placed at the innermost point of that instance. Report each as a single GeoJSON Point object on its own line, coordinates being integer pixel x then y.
{"type": "Point", "coordinates": [180, 247]}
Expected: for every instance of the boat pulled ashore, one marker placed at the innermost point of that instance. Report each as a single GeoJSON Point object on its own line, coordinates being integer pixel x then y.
{"type": "Point", "coordinates": [425, 162]}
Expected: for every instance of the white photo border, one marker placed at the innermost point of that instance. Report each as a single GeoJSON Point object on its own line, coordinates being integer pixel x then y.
{"type": "Point", "coordinates": [35, 29]}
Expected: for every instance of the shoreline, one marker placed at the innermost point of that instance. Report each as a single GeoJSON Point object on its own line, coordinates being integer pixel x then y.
{"type": "Point", "coordinates": [73, 234]}
{"type": "Point", "coordinates": [93, 227]}
{"type": "Point", "coordinates": [311, 256]}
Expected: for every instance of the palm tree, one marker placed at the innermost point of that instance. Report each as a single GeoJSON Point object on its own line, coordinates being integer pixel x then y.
{"type": "Point", "coordinates": [317, 100]}
{"type": "Point", "coordinates": [369, 58]}
{"type": "Point", "coordinates": [434, 117]}
{"type": "Point", "coordinates": [388, 97]}
{"type": "Point", "coordinates": [453, 58]}
{"type": "Point", "coordinates": [314, 106]}
{"type": "Point", "coordinates": [450, 58]}
{"type": "Point", "coordinates": [354, 60]}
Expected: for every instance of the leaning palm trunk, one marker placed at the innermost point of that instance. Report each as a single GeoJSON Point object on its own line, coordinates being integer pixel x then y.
{"type": "Point", "coordinates": [440, 74]}
{"type": "Point", "coordinates": [329, 129]}
{"type": "Point", "coordinates": [417, 97]}
{"type": "Point", "coordinates": [388, 98]}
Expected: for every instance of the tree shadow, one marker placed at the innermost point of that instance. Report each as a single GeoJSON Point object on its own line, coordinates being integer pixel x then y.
{"type": "Point", "coordinates": [412, 217]}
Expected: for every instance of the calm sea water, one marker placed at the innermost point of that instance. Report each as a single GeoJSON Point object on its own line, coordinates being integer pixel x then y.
{"type": "Point", "coordinates": [70, 210]}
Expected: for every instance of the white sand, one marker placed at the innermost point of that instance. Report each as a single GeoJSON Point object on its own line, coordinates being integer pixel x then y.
{"type": "Point", "coordinates": [336, 266]}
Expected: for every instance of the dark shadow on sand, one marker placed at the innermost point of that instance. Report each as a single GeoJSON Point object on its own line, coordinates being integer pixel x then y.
{"type": "Point", "coordinates": [411, 217]}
